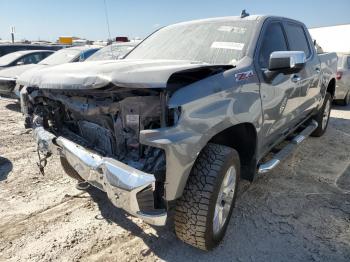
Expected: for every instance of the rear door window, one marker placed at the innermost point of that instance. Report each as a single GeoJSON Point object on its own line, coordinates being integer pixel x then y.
{"type": "Point", "coordinates": [273, 40]}
{"type": "Point", "coordinates": [297, 38]}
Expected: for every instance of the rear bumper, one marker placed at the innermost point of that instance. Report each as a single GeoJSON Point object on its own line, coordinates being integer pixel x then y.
{"type": "Point", "coordinates": [121, 182]}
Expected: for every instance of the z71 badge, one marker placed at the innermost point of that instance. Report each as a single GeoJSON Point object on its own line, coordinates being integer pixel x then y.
{"type": "Point", "coordinates": [244, 75]}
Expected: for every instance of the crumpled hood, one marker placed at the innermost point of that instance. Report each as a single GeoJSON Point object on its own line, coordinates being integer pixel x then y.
{"type": "Point", "coordinates": [15, 71]}
{"type": "Point", "coordinates": [97, 74]}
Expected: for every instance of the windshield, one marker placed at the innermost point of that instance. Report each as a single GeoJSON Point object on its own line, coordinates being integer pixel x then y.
{"type": "Point", "coordinates": [111, 52]}
{"type": "Point", "coordinates": [61, 57]}
{"type": "Point", "coordinates": [9, 58]}
{"type": "Point", "coordinates": [213, 42]}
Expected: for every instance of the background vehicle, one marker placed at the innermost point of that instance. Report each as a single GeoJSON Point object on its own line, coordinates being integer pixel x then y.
{"type": "Point", "coordinates": [68, 55]}
{"type": "Point", "coordinates": [342, 90]}
{"type": "Point", "coordinates": [10, 48]}
{"type": "Point", "coordinates": [177, 124]}
{"type": "Point", "coordinates": [113, 51]}
{"type": "Point", "coordinates": [23, 58]}
{"type": "Point", "coordinates": [333, 38]}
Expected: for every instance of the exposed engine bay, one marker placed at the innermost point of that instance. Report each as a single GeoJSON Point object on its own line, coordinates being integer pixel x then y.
{"type": "Point", "coordinates": [107, 122]}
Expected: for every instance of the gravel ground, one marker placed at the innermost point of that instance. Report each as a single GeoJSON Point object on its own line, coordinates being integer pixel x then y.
{"type": "Point", "coordinates": [298, 212]}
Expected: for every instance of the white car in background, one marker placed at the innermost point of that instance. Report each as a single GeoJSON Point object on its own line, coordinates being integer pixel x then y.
{"type": "Point", "coordinates": [9, 76]}
{"type": "Point", "coordinates": [113, 51]}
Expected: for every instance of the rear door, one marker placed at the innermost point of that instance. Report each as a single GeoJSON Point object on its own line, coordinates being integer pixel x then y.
{"type": "Point", "coordinates": [281, 98]}
{"type": "Point", "coordinates": [307, 80]}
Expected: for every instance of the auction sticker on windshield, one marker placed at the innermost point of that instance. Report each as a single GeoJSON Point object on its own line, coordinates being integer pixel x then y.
{"type": "Point", "coordinates": [234, 29]}
{"type": "Point", "coordinates": [227, 45]}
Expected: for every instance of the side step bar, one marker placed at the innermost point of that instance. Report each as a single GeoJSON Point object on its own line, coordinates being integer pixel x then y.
{"type": "Point", "coordinates": [287, 150]}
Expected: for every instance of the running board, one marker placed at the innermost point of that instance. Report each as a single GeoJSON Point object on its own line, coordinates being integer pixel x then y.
{"type": "Point", "coordinates": [287, 150]}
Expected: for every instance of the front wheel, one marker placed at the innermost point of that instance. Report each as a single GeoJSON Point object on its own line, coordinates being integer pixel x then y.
{"type": "Point", "coordinates": [322, 117]}
{"type": "Point", "coordinates": [204, 210]}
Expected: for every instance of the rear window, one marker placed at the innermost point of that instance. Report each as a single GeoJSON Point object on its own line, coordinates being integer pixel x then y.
{"type": "Point", "coordinates": [297, 38]}
{"type": "Point", "coordinates": [61, 57]}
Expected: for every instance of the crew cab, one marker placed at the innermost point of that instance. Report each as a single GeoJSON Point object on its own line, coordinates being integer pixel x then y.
{"type": "Point", "coordinates": [177, 124]}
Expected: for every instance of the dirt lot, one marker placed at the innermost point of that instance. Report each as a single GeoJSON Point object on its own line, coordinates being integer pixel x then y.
{"type": "Point", "coordinates": [299, 212]}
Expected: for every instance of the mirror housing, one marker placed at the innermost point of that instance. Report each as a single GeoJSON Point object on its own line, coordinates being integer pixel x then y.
{"type": "Point", "coordinates": [285, 62]}
{"type": "Point", "coordinates": [20, 63]}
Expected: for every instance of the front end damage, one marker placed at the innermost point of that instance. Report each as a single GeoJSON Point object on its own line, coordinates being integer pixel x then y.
{"type": "Point", "coordinates": [127, 187]}
{"type": "Point", "coordinates": [98, 134]}
{"type": "Point", "coordinates": [121, 137]}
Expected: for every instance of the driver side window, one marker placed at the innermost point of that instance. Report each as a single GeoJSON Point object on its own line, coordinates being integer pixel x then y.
{"type": "Point", "coordinates": [274, 40]}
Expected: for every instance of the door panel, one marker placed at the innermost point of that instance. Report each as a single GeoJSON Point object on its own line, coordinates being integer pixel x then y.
{"type": "Point", "coordinates": [281, 98]}
{"type": "Point", "coordinates": [308, 85]}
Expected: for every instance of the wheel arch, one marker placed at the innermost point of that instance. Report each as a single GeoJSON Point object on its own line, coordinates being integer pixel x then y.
{"type": "Point", "coordinates": [243, 138]}
{"type": "Point", "coordinates": [331, 87]}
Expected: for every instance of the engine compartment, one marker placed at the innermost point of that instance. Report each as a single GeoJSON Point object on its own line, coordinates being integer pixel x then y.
{"type": "Point", "coordinates": [107, 122]}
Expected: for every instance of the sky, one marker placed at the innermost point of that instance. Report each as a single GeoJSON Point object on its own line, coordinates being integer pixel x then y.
{"type": "Point", "coordinates": [49, 19]}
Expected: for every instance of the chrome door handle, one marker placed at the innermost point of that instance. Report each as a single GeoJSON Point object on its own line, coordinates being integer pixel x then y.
{"type": "Point", "coordinates": [296, 78]}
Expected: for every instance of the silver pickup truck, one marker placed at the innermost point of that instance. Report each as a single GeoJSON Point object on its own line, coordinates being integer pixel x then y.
{"type": "Point", "coordinates": [193, 109]}
{"type": "Point", "coordinates": [342, 90]}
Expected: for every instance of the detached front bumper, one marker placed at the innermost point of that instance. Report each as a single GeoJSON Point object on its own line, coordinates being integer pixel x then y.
{"type": "Point", "coordinates": [121, 182]}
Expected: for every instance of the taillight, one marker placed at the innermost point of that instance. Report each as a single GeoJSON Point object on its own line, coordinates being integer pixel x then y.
{"type": "Point", "coordinates": [339, 75]}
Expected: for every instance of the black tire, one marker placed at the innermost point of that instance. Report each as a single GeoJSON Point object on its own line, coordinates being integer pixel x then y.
{"type": "Point", "coordinates": [194, 214]}
{"type": "Point", "coordinates": [69, 170]}
{"type": "Point", "coordinates": [321, 129]}
{"type": "Point", "coordinates": [346, 100]}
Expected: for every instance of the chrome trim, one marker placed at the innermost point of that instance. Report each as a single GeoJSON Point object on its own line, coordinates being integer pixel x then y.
{"type": "Point", "coordinates": [298, 139]}
{"type": "Point", "coordinates": [268, 166]}
{"type": "Point", "coordinates": [288, 149]}
{"type": "Point", "coordinates": [120, 181]}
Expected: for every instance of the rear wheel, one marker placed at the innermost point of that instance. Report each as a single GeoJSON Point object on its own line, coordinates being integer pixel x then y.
{"type": "Point", "coordinates": [204, 210]}
{"type": "Point", "coordinates": [322, 117]}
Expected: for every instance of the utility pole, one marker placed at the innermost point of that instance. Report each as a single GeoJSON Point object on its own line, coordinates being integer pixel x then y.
{"type": "Point", "coordinates": [13, 34]}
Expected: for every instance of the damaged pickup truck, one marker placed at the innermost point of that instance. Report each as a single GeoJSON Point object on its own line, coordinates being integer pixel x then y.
{"type": "Point", "coordinates": [191, 110]}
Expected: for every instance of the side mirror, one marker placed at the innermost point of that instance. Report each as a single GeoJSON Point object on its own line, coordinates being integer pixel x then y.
{"type": "Point", "coordinates": [20, 63]}
{"type": "Point", "coordinates": [285, 62]}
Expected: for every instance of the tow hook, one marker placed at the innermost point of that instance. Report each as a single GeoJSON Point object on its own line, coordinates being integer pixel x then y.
{"type": "Point", "coordinates": [42, 160]}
